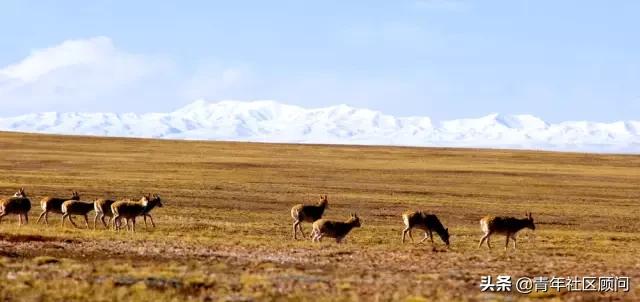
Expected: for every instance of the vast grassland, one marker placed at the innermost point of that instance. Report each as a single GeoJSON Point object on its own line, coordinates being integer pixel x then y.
{"type": "Point", "coordinates": [225, 230]}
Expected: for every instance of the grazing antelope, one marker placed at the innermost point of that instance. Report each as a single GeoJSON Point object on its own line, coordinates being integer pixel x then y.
{"type": "Point", "coordinates": [334, 229]}
{"type": "Point", "coordinates": [508, 226]}
{"type": "Point", "coordinates": [129, 210]}
{"type": "Point", "coordinates": [426, 222]}
{"type": "Point", "coordinates": [307, 213]}
{"type": "Point", "coordinates": [102, 208]}
{"type": "Point", "coordinates": [76, 207]}
{"type": "Point", "coordinates": [18, 204]}
{"type": "Point", "coordinates": [54, 205]}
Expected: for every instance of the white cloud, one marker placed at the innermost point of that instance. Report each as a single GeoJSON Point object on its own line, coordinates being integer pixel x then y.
{"type": "Point", "coordinates": [82, 74]}
{"type": "Point", "coordinates": [95, 75]}
{"type": "Point", "coordinates": [69, 53]}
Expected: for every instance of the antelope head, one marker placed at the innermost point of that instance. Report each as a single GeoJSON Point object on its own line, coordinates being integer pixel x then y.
{"type": "Point", "coordinates": [355, 220]}
{"type": "Point", "coordinates": [156, 198]}
{"type": "Point", "coordinates": [445, 236]}
{"type": "Point", "coordinates": [529, 221]}
{"type": "Point", "coordinates": [20, 193]}
{"type": "Point", "coordinates": [324, 201]}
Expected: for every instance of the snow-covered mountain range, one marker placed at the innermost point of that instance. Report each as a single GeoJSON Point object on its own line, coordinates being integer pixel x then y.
{"type": "Point", "coordinates": [269, 121]}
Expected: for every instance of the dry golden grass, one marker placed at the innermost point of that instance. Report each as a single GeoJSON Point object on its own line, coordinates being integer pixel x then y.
{"type": "Point", "coordinates": [225, 230]}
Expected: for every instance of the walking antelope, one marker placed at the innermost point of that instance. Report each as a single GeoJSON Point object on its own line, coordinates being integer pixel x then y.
{"type": "Point", "coordinates": [307, 213]}
{"type": "Point", "coordinates": [130, 209]}
{"type": "Point", "coordinates": [426, 222]}
{"type": "Point", "coordinates": [18, 204]}
{"type": "Point", "coordinates": [334, 229]}
{"type": "Point", "coordinates": [508, 226]}
{"type": "Point", "coordinates": [102, 208]}
{"type": "Point", "coordinates": [76, 207]}
{"type": "Point", "coordinates": [54, 205]}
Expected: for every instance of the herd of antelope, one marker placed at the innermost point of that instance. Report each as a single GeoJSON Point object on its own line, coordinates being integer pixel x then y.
{"type": "Point", "coordinates": [20, 204]}
{"type": "Point", "coordinates": [429, 223]}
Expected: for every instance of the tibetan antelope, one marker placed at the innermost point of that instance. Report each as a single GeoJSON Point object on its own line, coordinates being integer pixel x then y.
{"type": "Point", "coordinates": [508, 226]}
{"type": "Point", "coordinates": [130, 209]}
{"type": "Point", "coordinates": [54, 205]}
{"type": "Point", "coordinates": [307, 213]}
{"type": "Point", "coordinates": [102, 208]}
{"type": "Point", "coordinates": [334, 229]}
{"type": "Point", "coordinates": [76, 207]}
{"type": "Point", "coordinates": [18, 204]}
{"type": "Point", "coordinates": [426, 222]}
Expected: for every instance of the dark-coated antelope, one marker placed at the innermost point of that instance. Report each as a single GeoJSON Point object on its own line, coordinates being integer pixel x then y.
{"type": "Point", "coordinates": [334, 229]}
{"type": "Point", "coordinates": [508, 226]}
{"type": "Point", "coordinates": [129, 210]}
{"type": "Point", "coordinates": [307, 213]}
{"type": "Point", "coordinates": [76, 207]}
{"type": "Point", "coordinates": [103, 209]}
{"type": "Point", "coordinates": [54, 205]}
{"type": "Point", "coordinates": [426, 222]}
{"type": "Point", "coordinates": [18, 204]}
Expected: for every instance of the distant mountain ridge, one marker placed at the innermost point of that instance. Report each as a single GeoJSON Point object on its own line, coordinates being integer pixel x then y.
{"type": "Point", "coordinates": [270, 121]}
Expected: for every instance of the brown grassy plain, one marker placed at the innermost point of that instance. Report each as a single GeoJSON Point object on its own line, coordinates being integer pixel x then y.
{"type": "Point", "coordinates": [224, 233]}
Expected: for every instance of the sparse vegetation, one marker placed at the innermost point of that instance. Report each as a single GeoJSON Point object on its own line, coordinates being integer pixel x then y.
{"type": "Point", "coordinates": [226, 228]}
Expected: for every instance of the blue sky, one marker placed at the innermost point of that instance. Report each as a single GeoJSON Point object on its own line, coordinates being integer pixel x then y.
{"type": "Point", "coordinates": [559, 60]}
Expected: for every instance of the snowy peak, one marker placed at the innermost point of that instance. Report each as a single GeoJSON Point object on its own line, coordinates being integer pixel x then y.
{"type": "Point", "coordinates": [270, 121]}
{"type": "Point", "coordinates": [496, 120]}
{"type": "Point", "coordinates": [521, 121]}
